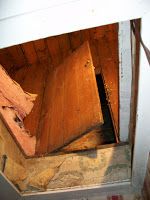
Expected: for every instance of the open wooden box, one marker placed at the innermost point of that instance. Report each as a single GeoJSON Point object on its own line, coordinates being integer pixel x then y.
{"type": "Point", "coordinates": [62, 70]}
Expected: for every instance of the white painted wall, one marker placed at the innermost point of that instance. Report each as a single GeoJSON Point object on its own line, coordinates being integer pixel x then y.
{"type": "Point", "coordinates": [125, 78]}
{"type": "Point", "coordinates": [142, 136]}
{"type": "Point", "coordinates": [26, 20]}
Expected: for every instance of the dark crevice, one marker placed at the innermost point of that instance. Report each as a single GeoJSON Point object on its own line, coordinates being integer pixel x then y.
{"type": "Point", "coordinates": [107, 128]}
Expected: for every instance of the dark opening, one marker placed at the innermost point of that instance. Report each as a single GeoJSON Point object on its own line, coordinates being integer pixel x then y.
{"type": "Point", "coordinates": [107, 128]}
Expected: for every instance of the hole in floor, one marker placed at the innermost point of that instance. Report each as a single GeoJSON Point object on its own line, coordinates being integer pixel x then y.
{"type": "Point", "coordinates": [107, 127]}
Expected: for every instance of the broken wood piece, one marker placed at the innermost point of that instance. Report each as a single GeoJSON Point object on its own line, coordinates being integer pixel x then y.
{"type": "Point", "coordinates": [13, 96]}
{"type": "Point", "coordinates": [15, 105]}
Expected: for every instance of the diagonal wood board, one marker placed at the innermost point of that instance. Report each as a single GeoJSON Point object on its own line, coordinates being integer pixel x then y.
{"type": "Point", "coordinates": [71, 105]}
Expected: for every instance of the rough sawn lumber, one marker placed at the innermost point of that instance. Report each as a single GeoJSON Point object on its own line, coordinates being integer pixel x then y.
{"type": "Point", "coordinates": [15, 105]}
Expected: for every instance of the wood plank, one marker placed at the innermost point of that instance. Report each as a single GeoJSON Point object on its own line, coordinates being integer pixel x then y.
{"type": "Point", "coordinates": [94, 52]}
{"type": "Point", "coordinates": [30, 53]}
{"type": "Point", "coordinates": [92, 140]}
{"type": "Point", "coordinates": [17, 56]}
{"type": "Point", "coordinates": [99, 32]}
{"type": "Point", "coordinates": [19, 75]}
{"type": "Point", "coordinates": [5, 60]}
{"type": "Point", "coordinates": [81, 115]}
{"type": "Point", "coordinates": [54, 50]}
{"type": "Point", "coordinates": [85, 35]}
{"type": "Point", "coordinates": [56, 128]}
{"type": "Point", "coordinates": [34, 82]}
{"type": "Point", "coordinates": [88, 35]}
{"type": "Point", "coordinates": [71, 119]}
{"type": "Point", "coordinates": [110, 74]}
{"type": "Point", "coordinates": [75, 39]}
{"type": "Point", "coordinates": [46, 117]}
{"type": "Point", "coordinates": [64, 44]}
{"type": "Point", "coordinates": [95, 138]}
{"type": "Point", "coordinates": [41, 50]}
{"type": "Point", "coordinates": [71, 108]}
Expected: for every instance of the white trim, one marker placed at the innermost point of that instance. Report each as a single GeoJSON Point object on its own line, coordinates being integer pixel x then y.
{"type": "Point", "coordinates": [142, 136]}
{"type": "Point", "coordinates": [46, 18]}
{"type": "Point", "coordinates": [87, 192]}
{"type": "Point", "coordinates": [9, 192]}
{"type": "Point", "coordinates": [125, 79]}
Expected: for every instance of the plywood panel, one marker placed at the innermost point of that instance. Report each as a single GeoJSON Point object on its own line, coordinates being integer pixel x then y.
{"type": "Point", "coordinates": [46, 117]}
{"type": "Point", "coordinates": [17, 56]}
{"type": "Point", "coordinates": [64, 44]}
{"type": "Point", "coordinates": [29, 51]}
{"type": "Point", "coordinates": [33, 81]}
{"type": "Point", "coordinates": [5, 60]}
{"type": "Point", "coordinates": [72, 102]}
{"type": "Point", "coordinates": [54, 51]}
{"type": "Point", "coordinates": [88, 35]}
{"type": "Point", "coordinates": [56, 48]}
{"type": "Point", "coordinates": [41, 50]}
{"type": "Point", "coordinates": [75, 39]}
{"type": "Point", "coordinates": [108, 53]}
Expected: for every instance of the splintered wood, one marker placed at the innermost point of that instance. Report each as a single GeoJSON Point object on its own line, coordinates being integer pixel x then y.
{"type": "Point", "coordinates": [15, 105]}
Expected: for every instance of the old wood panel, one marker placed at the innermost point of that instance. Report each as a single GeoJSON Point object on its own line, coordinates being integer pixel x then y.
{"type": "Point", "coordinates": [93, 46]}
{"type": "Point", "coordinates": [5, 60]}
{"type": "Point", "coordinates": [56, 48]}
{"type": "Point", "coordinates": [110, 73]}
{"type": "Point", "coordinates": [32, 79]}
{"type": "Point", "coordinates": [30, 53]}
{"type": "Point", "coordinates": [75, 39]}
{"type": "Point", "coordinates": [72, 105]}
{"type": "Point", "coordinates": [41, 50]}
{"type": "Point", "coordinates": [17, 56]}
{"type": "Point", "coordinates": [54, 51]}
{"type": "Point", "coordinates": [64, 44]}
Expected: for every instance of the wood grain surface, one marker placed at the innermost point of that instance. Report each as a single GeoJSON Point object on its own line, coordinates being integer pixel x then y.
{"type": "Point", "coordinates": [71, 104]}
